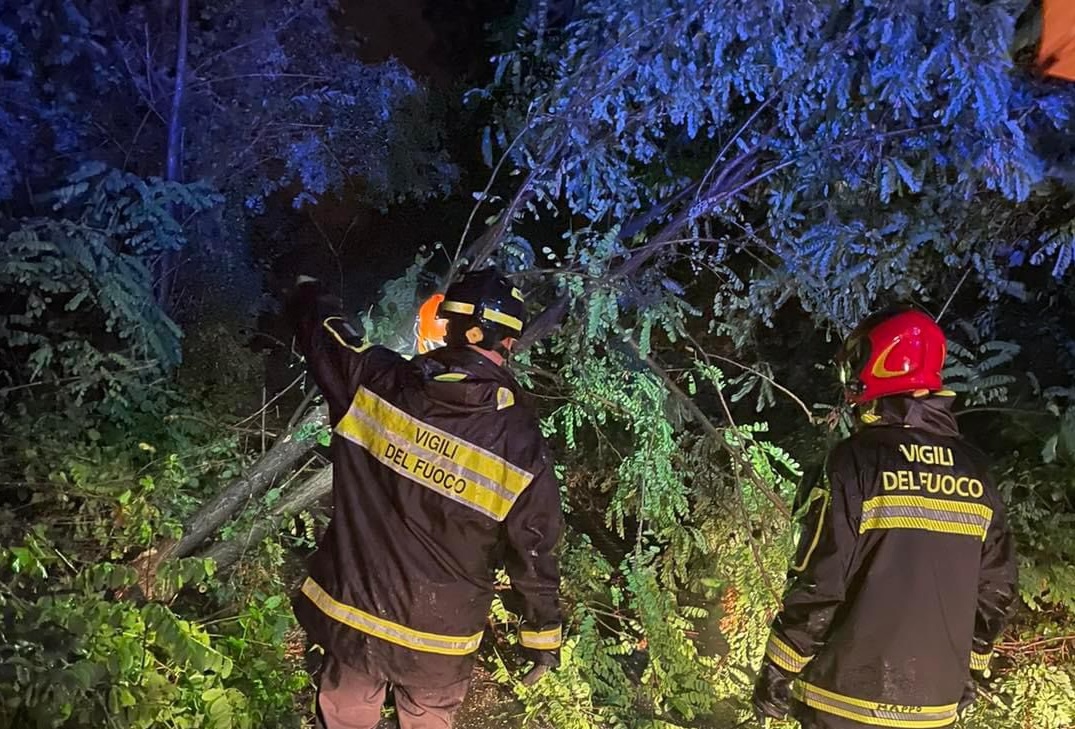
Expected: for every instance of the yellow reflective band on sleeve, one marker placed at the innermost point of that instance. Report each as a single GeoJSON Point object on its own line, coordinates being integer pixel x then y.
{"type": "Point", "coordinates": [925, 513]}
{"type": "Point", "coordinates": [816, 493]}
{"type": "Point", "coordinates": [517, 293]}
{"type": "Point", "coordinates": [451, 377]}
{"type": "Point", "coordinates": [457, 307]}
{"type": "Point", "coordinates": [331, 329]}
{"type": "Point", "coordinates": [505, 398]}
{"type": "Point", "coordinates": [448, 645]}
{"type": "Point", "coordinates": [501, 318]}
{"type": "Point", "coordinates": [874, 713]}
{"type": "Point", "coordinates": [433, 458]}
{"type": "Point", "coordinates": [543, 640]}
{"type": "Point", "coordinates": [979, 661]}
{"type": "Point", "coordinates": [784, 655]}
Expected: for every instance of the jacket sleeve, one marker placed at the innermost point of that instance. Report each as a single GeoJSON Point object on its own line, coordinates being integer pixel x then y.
{"type": "Point", "coordinates": [819, 572]}
{"type": "Point", "coordinates": [334, 351]}
{"type": "Point", "coordinates": [997, 584]}
{"type": "Point", "coordinates": [532, 530]}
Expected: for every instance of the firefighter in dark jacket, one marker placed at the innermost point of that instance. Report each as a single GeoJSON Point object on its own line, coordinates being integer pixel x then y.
{"type": "Point", "coordinates": [440, 477]}
{"type": "Point", "coordinates": [905, 572]}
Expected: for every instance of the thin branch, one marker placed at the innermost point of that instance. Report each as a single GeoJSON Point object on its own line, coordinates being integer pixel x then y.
{"type": "Point", "coordinates": [707, 355]}
{"type": "Point", "coordinates": [739, 133]}
{"type": "Point", "coordinates": [233, 49]}
{"type": "Point", "coordinates": [275, 397]}
{"type": "Point", "coordinates": [134, 140]}
{"type": "Point", "coordinates": [703, 420]}
{"type": "Point", "coordinates": [736, 457]}
{"type": "Point", "coordinates": [488, 186]}
{"type": "Point", "coordinates": [270, 76]}
{"type": "Point", "coordinates": [1016, 647]}
{"type": "Point", "coordinates": [952, 295]}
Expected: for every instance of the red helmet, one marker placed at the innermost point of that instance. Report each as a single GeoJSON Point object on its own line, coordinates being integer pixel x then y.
{"type": "Point", "coordinates": [892, 352]}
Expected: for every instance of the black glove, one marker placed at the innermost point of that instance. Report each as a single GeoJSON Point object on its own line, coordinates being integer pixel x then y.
{"type": "Point", "coordinates": [970, 693]}
{"type": "Point", "coordinates": [772, 692]}
{"type": "Point", "coordinates": [300, 298]}
{"type": "Point", "coordinates": [970, 689]}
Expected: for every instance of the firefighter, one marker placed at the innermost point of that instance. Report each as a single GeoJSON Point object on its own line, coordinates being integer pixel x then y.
{"type": "Point", "coordinates": [440, 477]}
{"type": "Point", "coordinates": [905, 572]}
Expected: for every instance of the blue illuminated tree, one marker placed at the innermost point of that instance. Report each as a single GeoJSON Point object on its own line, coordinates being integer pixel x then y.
{"type": "Point", "coordinates": [722, 179]}
{"type": "Point", "coordinates": [819, 151]}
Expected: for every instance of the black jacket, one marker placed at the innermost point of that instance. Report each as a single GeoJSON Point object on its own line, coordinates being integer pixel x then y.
{"type": "Point", "coordinates": [440, 476]}
{"type": "Point", "coordinates": [904, 576]}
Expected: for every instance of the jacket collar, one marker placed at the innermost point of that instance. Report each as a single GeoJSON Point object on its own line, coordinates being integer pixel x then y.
{"type": "Point", "coordinates": [466, 361]}
{"type": "Point", "coordinates": [931, 413]}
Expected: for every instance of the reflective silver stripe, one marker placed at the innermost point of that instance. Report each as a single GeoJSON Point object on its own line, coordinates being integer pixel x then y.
{"type": "Point", "coordinates": [541, 640]}
{"type": "Point", "coordinates": [348, 329]}
{"type": "Point", "coordinates": [784, 655]}
{"type": "Point", "coordinates": [929, 514]}
{"type": "Point", "coordinates": [948, 506]}
{"type": "Point", "coordinates": [364, 622]}
{"type": "Point", "coordinates": [875, 713]}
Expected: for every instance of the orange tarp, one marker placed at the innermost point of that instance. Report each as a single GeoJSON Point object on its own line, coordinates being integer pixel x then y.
{"type": "Point", "coordinates": [1057, 53]}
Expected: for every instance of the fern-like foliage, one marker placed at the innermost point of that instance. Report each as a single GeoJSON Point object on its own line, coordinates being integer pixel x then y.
{"type": "Point", "coordinates": [81, 321]}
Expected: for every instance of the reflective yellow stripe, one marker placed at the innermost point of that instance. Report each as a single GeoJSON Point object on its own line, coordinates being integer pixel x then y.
{"type": "Point", "coordinates": [343, 342]}
{"type": "Point", "coordinates": [451, 377]}
{"type": "Point", "coordinates": [505, 398]}
{"type": "Point", "coordinates": [925, 513]}
{"type": "Point", "coordinates": [875, 713]}
{"type": "Point", "coordinates": [979, 661]}
{"type": "Point", "coordinates": [516, 293]}
{"type": "Point", "coordinates": [502, 318]}
{"type": "Point", "coordinates": [784, 655]}
{"type": "Point", "coordinates": [541, 640]}
{"type": "Point", "coordinates": [430, 457]}
{"type": "Point", "coordinates": [448, 645]}
{"type": "Point", "coordinates": [817, 530]}
{"type": "Point", "coordinates": [457, 307]}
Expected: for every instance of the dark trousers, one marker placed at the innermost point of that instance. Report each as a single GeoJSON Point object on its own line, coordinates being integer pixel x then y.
{"type": "Point", "coordinates": [351, 699]}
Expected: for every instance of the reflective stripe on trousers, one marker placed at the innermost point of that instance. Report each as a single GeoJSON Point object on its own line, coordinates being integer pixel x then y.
{"type": "Point", "coordinates": [874, 713]}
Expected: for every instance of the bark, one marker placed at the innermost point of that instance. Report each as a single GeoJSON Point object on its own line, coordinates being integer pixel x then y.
{"type": "Point", "coordinates": [173, 161]}
{"type": "Point", "coordinates": [295, 500]}
{"type": "Point", "coordinates": [278, 461]}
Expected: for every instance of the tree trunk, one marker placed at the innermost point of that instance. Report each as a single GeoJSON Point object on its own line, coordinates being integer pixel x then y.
{"type": "Point", "coordinates": [172, 168]}
{"type": "Point", "coordinates": [279, 459]}
{"type": "Point", "coordinates": [302, 497]}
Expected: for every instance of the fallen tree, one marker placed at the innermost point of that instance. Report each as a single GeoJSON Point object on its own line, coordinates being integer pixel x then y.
{"type": "Point", "coordinates": [293, 501]}
{"type": "Point", "coordinates": [273, 466]}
